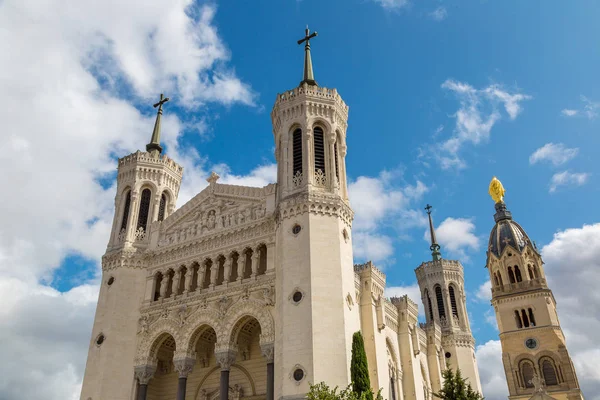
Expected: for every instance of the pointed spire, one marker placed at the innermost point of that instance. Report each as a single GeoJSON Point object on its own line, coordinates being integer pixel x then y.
{"type": "Point", "coordinates": [308, 69]}
{"type": "Point", "coordinates": [154, 146]}
{"type": "Point", "coordinates": [435, 248]}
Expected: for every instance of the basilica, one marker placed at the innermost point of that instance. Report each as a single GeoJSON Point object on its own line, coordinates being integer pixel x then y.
{"type": "Point", "coordinates": [252, 293]}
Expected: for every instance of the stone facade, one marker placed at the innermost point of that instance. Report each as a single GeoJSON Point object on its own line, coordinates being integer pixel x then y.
{"type": "Point", "coordinates": [533, 343]}
{"type": "Point", "coordinates": [252, 292]}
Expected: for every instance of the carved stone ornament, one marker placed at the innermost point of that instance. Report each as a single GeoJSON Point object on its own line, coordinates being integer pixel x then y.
{"type": "Point", "coordinates": [144, 373]}
{"type": "Point", "coordinates": [184, 366]}
{"type": "Point", "coordinates": [268, 351]}
{"type": "Point", "coordinates": [143, 325]}
{"type": "Point", "coordinates": [225, 358]}
{"type": "Point", "coordinates": [223, 305]}
{"type": "Point", "coordinates": [269, 296]}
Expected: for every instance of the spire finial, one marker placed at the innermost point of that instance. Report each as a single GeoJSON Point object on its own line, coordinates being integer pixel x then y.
{"type": "Point", "coordinates": [154, 146]}
{"type": "Point", "coordinates": [308, 69]}
{"type": "Point", "coordinates": [496, 190]}
{"type": "Point", "coordinates": [435, 248]}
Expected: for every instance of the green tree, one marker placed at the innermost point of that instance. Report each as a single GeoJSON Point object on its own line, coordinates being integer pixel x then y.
{"type": "Point", "coordinates": [359, 368]}
{"type": "Point", "coordinates": [322, 391]}
{"type": "Point", "coordinates": [456, 387]}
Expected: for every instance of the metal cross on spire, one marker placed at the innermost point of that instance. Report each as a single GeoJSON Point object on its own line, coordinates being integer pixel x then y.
{"type": "Point", "coordinates": [154, 146]}
{"type": "Point", "coordinates": [435, 248]}
{"type": "Point", "coordinates": [308, 69]}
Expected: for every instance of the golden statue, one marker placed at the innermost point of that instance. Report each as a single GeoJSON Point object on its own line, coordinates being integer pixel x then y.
{"type": "Point", "coordinates": [496, 190]}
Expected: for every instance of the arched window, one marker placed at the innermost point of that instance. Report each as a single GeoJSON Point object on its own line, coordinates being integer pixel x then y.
{"type": "Point", "coordinates": [157, 282]}
{"type": "Point", "coordinates": [500, 279]}
{"type": "Point", "coordinates": [511, 276]}
{"type": "Point", "coordinates": [126, 210]}
{"type": "Point", "coordinates": [319, 150]}
{"type": "Point", "coordinates": [525, 319]}
{"type": "Point", "coordinates": [548, 371]}
{"type": "Point", "coordinates": [518, 319]}
{"type": "Point", "coordinates": [429, 304]}
{"type": "Point", "coordinates": [496, 282]}
{"type": "Point", "coordinates": [440, 302]}
{"type": "Point", "coordinates": [518, 274]}
{"type": "Point", "coordinates": [392, 389]}
{"type": "Point", "coordinates": [162, 207]}
{"type": "Point", "coordinates": [527, 373]}
{"type": "Point", "coordinates": [297, 151]}
{"type": "Point", "coordinates": [335, 154]}
{"type": "Point", "coordinates": [144, 209]}
{"type": "Point", "coordinates": [453, 301]}
{"type": "Point", "coordinates": [531, 273]}
{"type": "Point", "coordinates": [531, 318]}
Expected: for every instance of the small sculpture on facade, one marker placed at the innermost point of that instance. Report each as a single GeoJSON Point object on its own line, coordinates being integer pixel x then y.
{"type": "Point", "coordinates": [182, 314]}
{"type": "Point", "coordinates": [268, 294]}
{"type": "Point", "coordinates": [143, 324]}
{"type": "Point", "coordinates": [222, 306]}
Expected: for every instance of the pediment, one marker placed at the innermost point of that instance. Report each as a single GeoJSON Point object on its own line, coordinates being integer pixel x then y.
{"type": "Point", "coordinates": [216, 208]}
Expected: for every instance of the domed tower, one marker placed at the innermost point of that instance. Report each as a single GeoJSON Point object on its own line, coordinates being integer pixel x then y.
{"type": "Point", "coordinates": [534, 350]}
{"type": "Point", "coordinates": [314, 267]}
{"type": "Point", "coordinates": [147, 188]}
{"type": "Point", "coordinates": [443, 295]}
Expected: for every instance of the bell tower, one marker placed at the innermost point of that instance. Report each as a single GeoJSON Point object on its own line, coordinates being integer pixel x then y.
{"type": "Point", "coordinates": [442, 288]}
{"type": "Point", "coordinates": [316, 312]}
{"type": "Point", "coordinates": [534, 350]}
{"type": "Point", "coordinates": [147, 188]}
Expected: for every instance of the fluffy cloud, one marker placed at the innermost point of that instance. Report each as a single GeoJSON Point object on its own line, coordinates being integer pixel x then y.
{"type": "Point", "coordinates": [391, 4]}
{"type": "Point", "coordinates": [484, 292]}
{"type": "Point", "coordinates": [478, 113]}
{"type": "Point", "coordinates": [439, 14]}
{"type": "Point", "coordinates": [491, 370]}
{"type": "Point", "coordinates": [567, 178]}
{"type": "Point", "coordinates": [76, 83]}
{"type": "Point", "coordinates": [555, 153]}
{"type": "Point", "coordinates": [589, 110]}
{"type": "Point", "coordinates": [456, 235]}
{"type": "Point", "coordinates": [377, 202]}
{"type": "Point", "coordinates": [413, 292]}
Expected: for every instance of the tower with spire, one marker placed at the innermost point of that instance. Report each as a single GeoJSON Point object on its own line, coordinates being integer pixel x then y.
{"type": "Point", "coordinates": [442, 286]}
{"type": "Point", "coordinates": [534, 351]}
{"type": "Point", "coordinates": [147, 188]}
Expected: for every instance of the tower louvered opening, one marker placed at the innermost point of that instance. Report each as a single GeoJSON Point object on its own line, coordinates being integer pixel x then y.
{"type": "Point", "coordinates": [453, 301]}
{"type": "Point", "coordinates": [297, 151]}
{"type": "Point", "coordinates": [337, 168]}
{"type": "Point", "coordinates": [144, 209]}
{"type": "Point", "coordinates": [126, 210]}
{"type": "Point", "coordinates": [319, 150]}
{"type": "Point", "coordinates": [440, 302]}
{"type": "Point", "coordinates": [429, 304]}
{"type": "Point", "coordinates": [161, 207]}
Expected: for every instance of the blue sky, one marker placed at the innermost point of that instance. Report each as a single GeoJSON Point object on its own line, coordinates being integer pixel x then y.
{"type": "Point", "coordinates": [443, 95]}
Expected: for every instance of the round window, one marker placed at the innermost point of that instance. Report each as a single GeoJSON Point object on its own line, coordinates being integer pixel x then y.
{"type": "Point", "coordinates": [296, 229]}
{"type": "Point", "coordinates": [298, 374]}
{"type": "Point", "coordinates": [297, 296]}
{"type": "Point", "coordinates": [448, 355]}
{"type": "Point", "coordinates": [100, 339]}
{"type": "Point", "coordinates": [531, 343]}
{"type": "Point", "coordinates": [110, 281]}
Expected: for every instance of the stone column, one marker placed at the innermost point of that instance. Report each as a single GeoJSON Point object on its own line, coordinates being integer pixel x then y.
{"type": "Point", "coordinates": [184, 367]}
{"type": "Point", "coordinates": [227, 268]}
{"type": "Point", "coordinates": [333, 178]}
{"type": "Point", "coordinates": [267, 350]}
{"type": "Point", "coordinates": [214, 270]}
{"type": "Point", "coordinates": [144, 373]}
{"type": "Point", "coordinates": [255, 260]}
{"type": "Point", "coordinates": [241, 265]}
{"type": "Point", "coordinates": [200, 277]}
{"type": "Point", "coordinates": [307, 160]}
{"type": "Point", "coordinates": [225, 358]}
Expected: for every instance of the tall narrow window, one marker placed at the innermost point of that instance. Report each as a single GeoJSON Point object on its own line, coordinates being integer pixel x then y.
{"type": "Point", "coordinates": [511, 276]}
{"type": "Point", "coordinates": [525, 319]}
{"type": "Point", "coordinates": [531, 318]}
{"type": "Point", "coordinates": [335, 154]}
{"type": "Point", "coordinates": [496, 282]}
{"type": "Point", "coordinates": [527, 374]}
{"type": "Point", "coordinates": [144, 209]}
{"type": "Point", "coordinates": [392, 389]}
{"type": "Point", "coordinates": [126, 210]}
{"type": "Point", "coordinates": [429, 304]}
{"type": "Point", "coordinates": [440, 302]}
{"type": "Point", "coordinates": [453, 301]}
{"type": "Point", "coordinates": [319, 150]}
{"type": "Point", "coordinates": [500, 278]}
{"type": "Point", "coordinates": [518, 319]}
{"type": "Point", "coordinates": [549, 372]}
{"type": "Point", "coordinates": [530, 270]}
{"type": "Point", "coordinates": [297, 151]}
{"type": "Point", "coordinates": [162, 206]}
{"type": "Point", "coordinates": [518, 274]}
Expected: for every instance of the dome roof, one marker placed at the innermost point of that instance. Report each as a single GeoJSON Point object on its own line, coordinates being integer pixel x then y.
{"type": "Point", "coordinates": [506, 232]}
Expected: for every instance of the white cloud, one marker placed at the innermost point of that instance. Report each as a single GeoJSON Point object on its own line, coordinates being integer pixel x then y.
{"type": "Point", "coordinates": [567, 178]}
{"type": "Point", "coordinates": [491, 370]}
{"type": "Point", "coordinates": [413, 292]}
{"type": "Point", "coordinates": [590, 109]}
{"type": "Point", "coordinates": [557, 154]}
{"type": "Point", "coordinates": [456, 236]}
{"type": "Point", "coordinates": [392, 4]}
{"type": "Point", "coordinates": [477, 115]}
{"type": "Point", "coordinates": [484, 292]}
{"type": "Point", "coordinates": [439, 14]}
{"type": "Point", "coordinates": [379, 202]}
